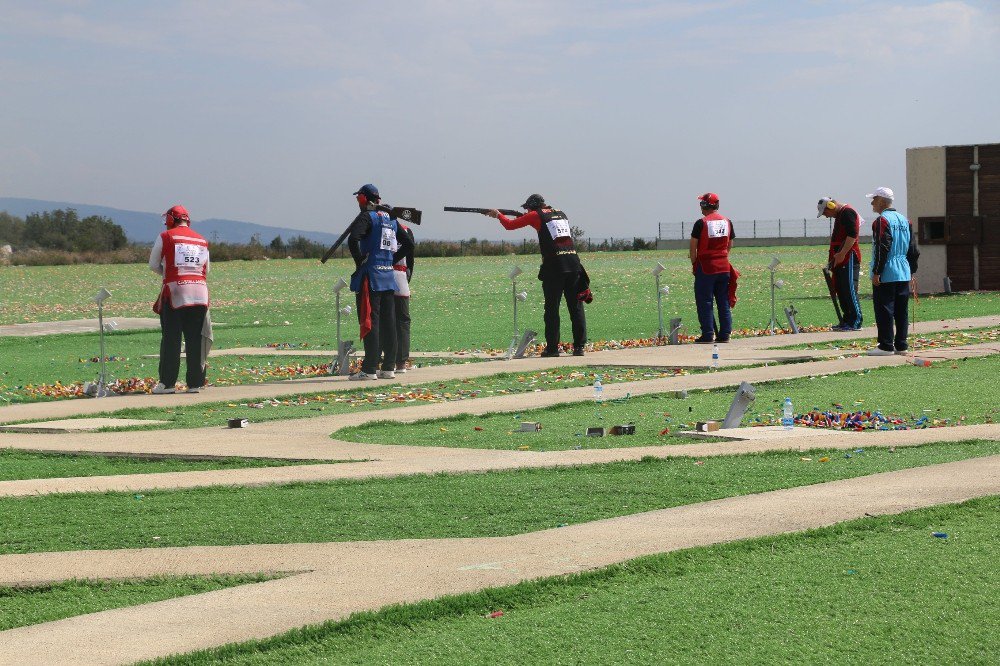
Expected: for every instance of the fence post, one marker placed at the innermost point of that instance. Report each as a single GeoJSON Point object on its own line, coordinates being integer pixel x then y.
{"type": "Point", "coordinates": [755, 228]}
{"type": "Point", "coordinates": [779, 227]}
{"type": "Point", "coordinates": [682, 229]}
{"type": "Point", "coordinates": [804, 233]}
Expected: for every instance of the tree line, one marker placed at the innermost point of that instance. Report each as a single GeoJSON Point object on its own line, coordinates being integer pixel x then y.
{"type": "Point", "coordinates": [61, 237]}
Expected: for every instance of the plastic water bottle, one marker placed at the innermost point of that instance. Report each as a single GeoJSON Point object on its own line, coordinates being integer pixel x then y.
{"type": "Point", "coordinates": [788, 418]}
{"type": "Point", "coordinates": [715, 357]}
{"type": "Point", "coordinates": [598, 390]}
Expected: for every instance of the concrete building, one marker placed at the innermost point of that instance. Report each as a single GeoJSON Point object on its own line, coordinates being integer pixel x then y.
{"type": "Point", "coordinates": [953, 203]}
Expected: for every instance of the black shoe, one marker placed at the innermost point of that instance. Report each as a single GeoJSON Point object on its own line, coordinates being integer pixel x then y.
{"type": "Point", "coordinates": [703, 340]}
{"type": "Point", "coordinates": [577, 351]}
{"type": "Point", "coordinates": [549, 354]}
{"type": "Point", "coordinates": [722, 341]}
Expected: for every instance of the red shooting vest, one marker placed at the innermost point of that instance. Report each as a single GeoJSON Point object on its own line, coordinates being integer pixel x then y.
{"type": "Point", "coordinates": [185, 262]}
{"type": "Point", "coordinates": [713, 244]}
{"type": "Point", "coordinates": [839, 236]}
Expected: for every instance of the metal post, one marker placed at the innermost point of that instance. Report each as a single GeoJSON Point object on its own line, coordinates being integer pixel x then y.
{"type": "Point", "coordinates": [779, 227]}
{"type": "Point", "coordinates": [659, 307]}
{"type": "Point", "coordinates": [513, 291]}
{"type": "Point", "coordinates": [338, 332]}
{"type": "Point", "coordinates": [100, 324]}
{"type": "Point", "coordinates": [755, 228]}
{"type": "Point", "coordinates": [804, 233]}
{"type": "Point", "coordinates": [773, 322]}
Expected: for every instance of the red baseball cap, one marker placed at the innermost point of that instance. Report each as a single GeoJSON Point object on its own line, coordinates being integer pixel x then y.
{"type": "Point", "coordinates": [178, 212]}
{"type": "Point", "coordinates": [709, 199]}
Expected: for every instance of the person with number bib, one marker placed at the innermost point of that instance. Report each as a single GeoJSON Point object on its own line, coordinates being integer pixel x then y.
{"type": "Point", "coordinates": [711, 239]}
{"type": "Point", "coordinates": [844, 259]}
{"type": "Point", "coordinates": [180, 255]}
{"type": "Point", "coordinates": [375, 248]}
{"type": "Point", "coordinates": [561, 273]}
{"type": "Point", "coordinates": [403, 273]}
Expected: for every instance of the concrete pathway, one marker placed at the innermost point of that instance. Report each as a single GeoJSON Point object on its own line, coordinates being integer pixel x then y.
{"type": "Point", "coordinates": [743, 351]}
{"type": "Point", "coordinates": [78, 326]}
{"type": "Point", "coordinates": [337, 579]}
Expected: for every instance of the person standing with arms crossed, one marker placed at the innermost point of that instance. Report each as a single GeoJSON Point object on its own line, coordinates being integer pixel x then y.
{"type": "Point", "coordinates": [844, 259]}
{"type": "Point", "coordinates": [180, 255]}
{"type": "Point", "coordinates": [711, 239]}
{"type": "Point", "coordinates": [561, 273]}
{"type": "Point", "coordinates": [893, 270]}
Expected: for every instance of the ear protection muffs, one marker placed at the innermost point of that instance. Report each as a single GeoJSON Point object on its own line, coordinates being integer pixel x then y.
{"type": "Point", "coordinates": [831, 205]}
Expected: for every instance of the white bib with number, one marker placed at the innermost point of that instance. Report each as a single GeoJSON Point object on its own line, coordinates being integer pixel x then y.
{"type": "Point", "coordinates": [190, 258]}
{"type": "Point", "coordinates": [558, 228]}
{"type": "Point", "coordinates": [389, 239]}
{"type": "Point", "coordinates": [717, 228]}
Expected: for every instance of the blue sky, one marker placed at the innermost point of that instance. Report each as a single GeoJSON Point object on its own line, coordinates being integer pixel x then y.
{"type": "Point", "coordinates": [620, 113]}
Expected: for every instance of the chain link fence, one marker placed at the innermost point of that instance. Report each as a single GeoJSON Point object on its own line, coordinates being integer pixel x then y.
{"type": "Point", "coordinates": [782, 228]}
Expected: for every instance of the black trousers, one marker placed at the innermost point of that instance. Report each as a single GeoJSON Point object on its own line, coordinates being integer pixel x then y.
{"type": "Point", "coordinates": [846, 279]}
{"type": "Point", "coordinates": [381, 340]}
{"type": "Point", "coordinates": [173, 324]}
{"type": "Point", "coordinates": [892, 309]}
{"type": "Point", "coordinates": [402, 330]}
{"type": "Point", "coordinates": [556, 286]}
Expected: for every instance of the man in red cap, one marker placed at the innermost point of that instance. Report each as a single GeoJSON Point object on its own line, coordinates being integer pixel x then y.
{"type": "Point", "coordinates": [180, 255]}
{"type": "Point", "coordinates": [711, 239]}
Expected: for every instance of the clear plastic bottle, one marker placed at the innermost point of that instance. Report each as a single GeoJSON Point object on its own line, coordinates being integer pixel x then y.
{"type": "Point", "coordinates": [788, 416]}
{"type": "Point", "coordinates": [598, 390]}
{"type": "Point", "coordinates": [715, 357]}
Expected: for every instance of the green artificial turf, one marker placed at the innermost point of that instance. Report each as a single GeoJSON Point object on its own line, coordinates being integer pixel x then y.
{"type": "Point", "coordinates": [458, 303]}
{"type": "Point", "coordinates": [923, 344]}
{"type": "Point", "coordinates": [947, 393]}
{"type": "Point", "coordinates": [16, 464]}
{"type": "Point", "coordinates": [425, 506]}
{"type": "Point", "coordinates": [23, 606]}
{"type": "Point", "coordinates": [875, 590]}
{"type": "Point", "coordinates": [381, 396]}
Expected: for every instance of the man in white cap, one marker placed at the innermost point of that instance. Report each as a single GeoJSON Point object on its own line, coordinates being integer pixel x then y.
{"type": "Point", "coordinates": [844, 259]}
{"type": "Point", "coordinates": [893, 270]}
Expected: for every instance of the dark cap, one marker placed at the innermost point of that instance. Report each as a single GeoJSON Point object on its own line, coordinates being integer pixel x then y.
{"type": "Point", "coordinates": [369, 191]}
{"type": "Point", "coordinates": [534, 202]}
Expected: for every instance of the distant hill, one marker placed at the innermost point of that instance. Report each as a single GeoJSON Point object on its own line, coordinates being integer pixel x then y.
{"type": "Point", "coordinates": [142, 227]}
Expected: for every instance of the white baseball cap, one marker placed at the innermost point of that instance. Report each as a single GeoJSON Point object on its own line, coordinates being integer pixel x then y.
{"type": "Point", "coordinates": [883, 192]}
{"type": "Point", "coordinates": [822, 205]}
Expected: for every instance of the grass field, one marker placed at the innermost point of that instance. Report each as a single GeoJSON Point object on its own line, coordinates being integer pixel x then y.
{"type": "Point", "coordinates": [458, 303]}
{"type": "Point", "coordinates": [16, 465]}
{"type": "Point", "coordinates": [941, 393]}
{"type": "Point", "coordinates": [876, 590]}
{"type": "Point", "coordinates": [23, 606]}
{"type": "Point", "coordinates": [439, 506]}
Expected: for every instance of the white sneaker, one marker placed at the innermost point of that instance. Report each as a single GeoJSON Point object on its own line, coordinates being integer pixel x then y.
{"type": "Point", "coordinates": [195, 389]}
{"type": "Point", "coordinates": [878, 351]}
{"type": "Point", "coordinates": [386, 374]}
{"type": "Point", "coordinates": [160, 389]}
{"type": "Point", "coordinates": [401, 370]}
{"type": "Point", "coordinates": [901, 352]}
{"type": "Point", "coordinates": [362, 376]}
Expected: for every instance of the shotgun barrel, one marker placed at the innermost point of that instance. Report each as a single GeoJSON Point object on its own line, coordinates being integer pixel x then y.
{"type": "Point", "coordinates": [408, 214]}
{"type": "Point", "coordinates": [465, 209]}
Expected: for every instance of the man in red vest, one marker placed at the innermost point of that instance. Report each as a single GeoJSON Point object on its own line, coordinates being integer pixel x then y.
{"type": "Point", "coordinates": [180, 255]}
{"type": "Point", "coordinates": [711, 239]}
{"type": "Point", "coordinates": [844, 259]}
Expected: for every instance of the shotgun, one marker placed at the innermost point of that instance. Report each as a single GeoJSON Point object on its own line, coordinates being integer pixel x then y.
{"type": "Point", "coordinates": [407, 214]}
{"type": "Point", "coordinates": [464, 209]}
{"type": "Point", "coordinates": [831, 286]}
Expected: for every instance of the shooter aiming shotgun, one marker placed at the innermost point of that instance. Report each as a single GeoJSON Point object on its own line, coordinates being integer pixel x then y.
{"type": "Point", "coordinates": [407, 214]}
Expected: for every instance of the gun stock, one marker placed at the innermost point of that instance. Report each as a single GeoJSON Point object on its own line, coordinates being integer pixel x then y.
{"type": "Point", "coordinates": [465, 209]}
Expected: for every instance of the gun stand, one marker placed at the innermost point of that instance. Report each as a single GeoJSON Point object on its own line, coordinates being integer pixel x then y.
{"type": "Point", "coordinates": [675, 327]}
{"type": "Point", "coordinates": [745, 395]}
{"type": "Point", "coordinates": [518, 342]}
{"type": "Point", "coordinates": [342, 365]}
{"type": "Point", "coordinates": [659, 298]}
{"type": "Point", "coordinates": [99, 389]}
{"type": "Point", "coordinates": [774, 322]}
{"type": "Point", "coordinates": [790, 313]}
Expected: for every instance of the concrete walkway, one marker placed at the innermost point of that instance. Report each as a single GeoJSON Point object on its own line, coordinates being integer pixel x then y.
{"type": "Point", "coordinates": [79, 326]}
{"type": "Point", "coordinates": [338, 579]}
{"type": "Point", "coordinates": [742, 351]}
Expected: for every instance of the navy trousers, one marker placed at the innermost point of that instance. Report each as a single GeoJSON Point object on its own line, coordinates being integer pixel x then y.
{"type": "Point", "coordinates": [846, 279]}
{"type": "Point", "coordinates": [706, 288]}
{"type": "Point", "coordinates": [892, 308]}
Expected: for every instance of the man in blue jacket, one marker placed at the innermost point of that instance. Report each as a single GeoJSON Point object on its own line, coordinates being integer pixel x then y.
{"type": "Point", "coordinates": [893, 271]}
